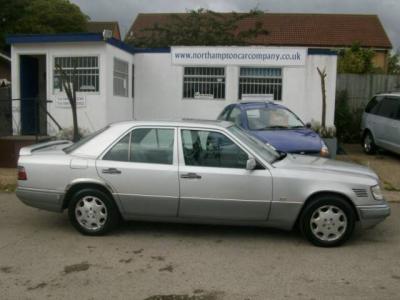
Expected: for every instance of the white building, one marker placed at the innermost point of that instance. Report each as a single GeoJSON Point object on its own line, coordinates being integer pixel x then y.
{"type": "Point", "coordinates": [117, 82]}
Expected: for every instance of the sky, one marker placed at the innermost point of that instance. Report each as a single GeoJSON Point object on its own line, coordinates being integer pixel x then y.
{"type": "Point", "coordinates": [125, 11]}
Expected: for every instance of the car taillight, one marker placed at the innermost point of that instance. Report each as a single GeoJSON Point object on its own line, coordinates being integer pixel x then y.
{"type": "Point", "coordinates": [21, 173]}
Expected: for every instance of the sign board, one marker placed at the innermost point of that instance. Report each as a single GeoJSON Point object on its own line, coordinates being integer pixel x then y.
{"type": "Point", "coordinates": [62, 101]}
{"type": "Point", "coordinates": [240, 56]}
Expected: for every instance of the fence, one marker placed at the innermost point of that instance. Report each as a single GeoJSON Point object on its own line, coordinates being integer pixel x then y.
{"type": "Point", "coordinates": [360, 88]}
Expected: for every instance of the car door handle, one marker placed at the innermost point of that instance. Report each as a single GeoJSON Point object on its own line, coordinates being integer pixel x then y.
{"type": "Point", "coordinates": [191, 176]}
{"type": "Point", "coordinates": [111, 171]}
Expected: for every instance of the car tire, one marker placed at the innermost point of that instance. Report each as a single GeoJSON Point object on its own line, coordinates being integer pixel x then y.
{"type": "Point", "coordinates": [93, 212]}
{"type": "Point", "coordinates": [368, 143]}
{"type": "Point", "coordinates": [327, 221]}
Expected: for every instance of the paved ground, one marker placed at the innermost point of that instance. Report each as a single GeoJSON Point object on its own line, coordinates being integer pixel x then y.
{"type": "Point", "coordinates": [43, 257]}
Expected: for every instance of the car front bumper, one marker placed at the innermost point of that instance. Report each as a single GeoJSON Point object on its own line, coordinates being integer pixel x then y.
{"type": "Point", "coordinates": [371, 215]}
{"type": "Point", "coordinates": [43, 199]}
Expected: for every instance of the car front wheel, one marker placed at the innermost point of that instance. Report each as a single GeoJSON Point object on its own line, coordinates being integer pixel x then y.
{"type": "Point", "coordinates": [93, 212]}
{"type": "Point", "coordinates": [328, 221]}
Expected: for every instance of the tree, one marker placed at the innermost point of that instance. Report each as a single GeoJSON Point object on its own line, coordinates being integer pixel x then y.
{"type": "Point", "coordinates": [201, 27]}
{"type": "Point", "coordinates": [70, 85]}
{"type": "Point", "coordinates": [39, 16]}
{"type": "Point", "coordinates": [322, 75]}
{"type": "Point", "coordinates": [394, 63]}
{"type": "Point", "coordinates": [356, 60]}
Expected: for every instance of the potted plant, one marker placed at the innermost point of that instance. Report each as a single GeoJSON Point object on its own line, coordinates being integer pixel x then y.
{"type": "Point", "coordinates": [327, 133]}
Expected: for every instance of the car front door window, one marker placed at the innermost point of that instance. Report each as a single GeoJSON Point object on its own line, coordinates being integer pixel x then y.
{"type": "Point", "coordinates": [211, 149]}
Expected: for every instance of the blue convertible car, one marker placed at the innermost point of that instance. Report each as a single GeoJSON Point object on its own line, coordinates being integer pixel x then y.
{"type": "Point", "coordinates": [276, 125]}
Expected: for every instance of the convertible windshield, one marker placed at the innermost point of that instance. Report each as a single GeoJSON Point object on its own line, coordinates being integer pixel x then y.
{"type": "Point", "coordinates": [272, 118]}
{"type": "Point", "coordinates": [264, 150]}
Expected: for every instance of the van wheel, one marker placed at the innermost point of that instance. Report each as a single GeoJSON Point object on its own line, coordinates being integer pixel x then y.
{"type": "Point", "coordinates": [328, 221]}
{"type": "Point", "coordinates": [92, 212]}
{"type": "Point", "coordinates": [369, 143]}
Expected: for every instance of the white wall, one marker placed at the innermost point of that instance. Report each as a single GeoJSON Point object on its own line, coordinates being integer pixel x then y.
{"type": "Point", "coordinates": [159, 88]}
{"type": "Point", "coordinates": [101, 107]}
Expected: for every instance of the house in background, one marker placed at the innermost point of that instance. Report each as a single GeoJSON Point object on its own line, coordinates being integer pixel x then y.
{"type": "Point", "coordinates": [117, 81]}
{"type": "Point", "coordinates": [100, 26]}
{"type": "Point", "coordinates": [5, 69]}
{"type": "Point", "coordinates": [331, 31]}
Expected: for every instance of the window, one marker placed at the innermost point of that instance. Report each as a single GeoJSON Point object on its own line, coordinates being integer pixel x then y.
{"type": "Point", "coordinates": [372, 106]}
{"type": "Point", "coordinates": [272, 118]}
{"type": "Point", "coordinates": [120, 151]}
{"type": "Point", "coordinates": [152, 145]}
{"type": "Point", "coordinates": [204, 83]}
{"type": "Point", "coordinates": [211, 149]}
{"type": "Point", "coordinates": [120, 78]}
{"type": "Point", "coordinates": [235, 116]}
{"type": "Point", "coordinates": [261, 81]}
{"type": "Point", "coordinates": [224, 114]}
{"type": "Point", "coordinates": [389, 108]}
{"type": "Point", "coordinates": [86, 69]}
{"type": "Point", "coordinates": [145, 145]}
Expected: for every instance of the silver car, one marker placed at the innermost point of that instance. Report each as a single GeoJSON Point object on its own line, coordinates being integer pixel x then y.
{"type": "Point", "coordinates": [200, 172]}
{"type": "Point", "coordinates": [380, 126]}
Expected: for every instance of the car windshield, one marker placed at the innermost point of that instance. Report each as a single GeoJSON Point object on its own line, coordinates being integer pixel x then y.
{"type": "Point", "coordinates": [272, 118]}
{"type": "Point", "coordinates": [84, 140]}
{"type": "Point", "coordinates": [264, 150]}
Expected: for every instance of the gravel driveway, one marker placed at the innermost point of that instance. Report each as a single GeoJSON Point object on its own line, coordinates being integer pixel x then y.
{"type": "Point", "coordinates": [43, 257]}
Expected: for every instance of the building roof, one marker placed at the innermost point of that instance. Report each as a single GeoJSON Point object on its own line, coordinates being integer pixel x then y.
{"type": "Point", "coordinates": [99, 26]}
{"type": "Point", "coordinates": [67, 38]}
{"type": "Point", "coordinates": [292, 29]}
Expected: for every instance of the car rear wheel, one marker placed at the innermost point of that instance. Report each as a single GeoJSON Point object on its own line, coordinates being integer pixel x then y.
{"type": "Point", "coordinates": [369, 143]}
{"type": "Point", "coordinates": [328, 221]}
{"type": "Point", "coordinates": [93, 212]}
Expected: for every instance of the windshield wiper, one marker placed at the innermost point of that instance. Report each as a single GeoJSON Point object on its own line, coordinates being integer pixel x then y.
{"type": "Point", "coordinates": [274, 127]}
{"type": "Point", "coordinates": [298, 126]}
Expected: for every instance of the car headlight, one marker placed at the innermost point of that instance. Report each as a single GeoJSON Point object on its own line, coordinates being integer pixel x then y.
{"type": "Point", "coordinates": [324, 152]}
{"type": "Point", "coordinates": [377, 192]}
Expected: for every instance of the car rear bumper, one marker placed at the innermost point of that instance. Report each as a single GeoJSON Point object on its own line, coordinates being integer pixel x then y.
{"type": "Point", "coordinates": [371, 215]}
{"type": "Point", "coordinates": [43, 199]}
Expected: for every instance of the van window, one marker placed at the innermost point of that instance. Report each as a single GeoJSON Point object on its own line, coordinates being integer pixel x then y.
{"type": "Point", "coordinates": [372, 106]}
{"type": "Point", "coordinates": [389, 108]}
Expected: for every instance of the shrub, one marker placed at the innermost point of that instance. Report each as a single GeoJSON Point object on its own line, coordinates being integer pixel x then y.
{"type": "Point", "coordinates": [67, 133]}
{"type": "Point", "coordinates": [347, 120]}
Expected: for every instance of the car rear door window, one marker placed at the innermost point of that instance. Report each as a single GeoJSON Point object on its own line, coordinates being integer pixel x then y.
{"type": "Point", "coordinates": [211, 149]}
{"type": "Point", "coordinates": [120, 151]}
{"type": "Point", "coordinates": [152, 145]}
{"type": "Point", "coordinates": [389, 108]}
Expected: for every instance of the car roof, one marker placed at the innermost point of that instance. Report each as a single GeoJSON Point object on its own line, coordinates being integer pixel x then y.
{"type": "Point", "coordinates": [391, 94]}
{"type": "Point", "coordinates": [257, 104]}
{"type": "Point", "coordinates": [177, 123]}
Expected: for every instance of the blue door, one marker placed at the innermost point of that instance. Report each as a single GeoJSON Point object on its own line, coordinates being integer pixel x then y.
{"type": "Point", "coordinates": [29, 84]}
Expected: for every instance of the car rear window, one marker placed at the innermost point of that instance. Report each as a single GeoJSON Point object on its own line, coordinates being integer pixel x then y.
{"type": "Point", "coordinates": [84, 140]}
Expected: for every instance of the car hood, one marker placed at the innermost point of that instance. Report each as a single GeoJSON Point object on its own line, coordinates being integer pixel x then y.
{"type": "Point", "coordinates": [312, 163]}
{"type": "Point", "coordinates": [291, 140]}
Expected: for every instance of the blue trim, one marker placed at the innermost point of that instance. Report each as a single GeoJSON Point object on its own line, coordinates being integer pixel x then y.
{"type": "Point", "coordinates": [153, 50]}
{"type": "Point", "coordinates": [121, 45]}
{"type": "Point", "coordinates": [321, 51]}
{"type": "Point", "coordinates": [53, 38]}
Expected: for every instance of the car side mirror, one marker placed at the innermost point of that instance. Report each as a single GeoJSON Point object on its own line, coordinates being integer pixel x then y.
{"type": "Point", "coordinates": [251, 164]}
{"type": "Point", "coordinates": [308, 125]}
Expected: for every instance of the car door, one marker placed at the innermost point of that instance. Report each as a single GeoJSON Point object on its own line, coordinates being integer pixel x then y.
{"type": "Point", "coordinates": [142, 168]}
{"type": "Point", "coordinates": [214, 182]}
{"type": "Point", "coordinates": [392, 125]}
{"type": "Point", "coordinates": [386, 123]}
